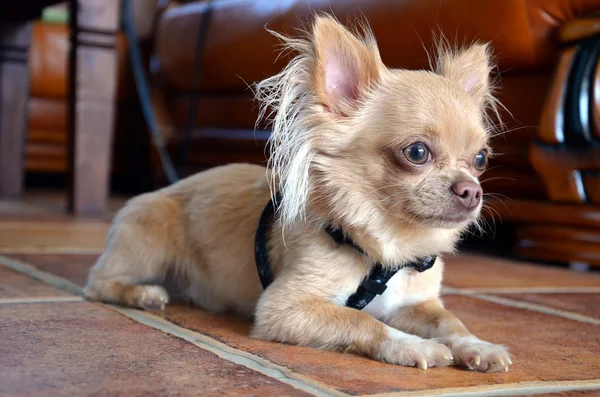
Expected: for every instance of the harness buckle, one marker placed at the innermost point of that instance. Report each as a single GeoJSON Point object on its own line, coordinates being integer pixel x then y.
{"type": "Point", "coordinates": [376, 287]}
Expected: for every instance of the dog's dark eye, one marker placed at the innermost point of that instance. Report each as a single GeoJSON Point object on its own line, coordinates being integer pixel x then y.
{"type": "Point", "coordinates": [417, 153]}
{"type": "Point", "coordinates": [481, 160]}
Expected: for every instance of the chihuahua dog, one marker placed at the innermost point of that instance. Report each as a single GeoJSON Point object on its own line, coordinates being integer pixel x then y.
{"type": "Point", "coordinates": [370, 169]}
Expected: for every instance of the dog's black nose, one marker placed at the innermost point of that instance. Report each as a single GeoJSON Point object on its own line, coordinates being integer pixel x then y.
{"type": "Point", "coordinates": [468, 194]}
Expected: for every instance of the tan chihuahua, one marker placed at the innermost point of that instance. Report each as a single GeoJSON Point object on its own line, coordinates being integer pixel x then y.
{"type": "Point", "coordinates": [371, 170]}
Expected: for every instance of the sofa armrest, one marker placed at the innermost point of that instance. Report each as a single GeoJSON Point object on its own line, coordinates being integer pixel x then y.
{"type": "Point", "coordinates": [580, 29]}
{"type": "Point", "coordinates": [566, 154]}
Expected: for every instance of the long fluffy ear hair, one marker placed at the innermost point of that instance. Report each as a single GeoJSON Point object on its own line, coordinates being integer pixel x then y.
{"type": "Point", "coordinates": [285, 99]}
{"type": "Point", "coordinates": [471, 67]}
{"type": "Point", "coordinates": [320, 88]}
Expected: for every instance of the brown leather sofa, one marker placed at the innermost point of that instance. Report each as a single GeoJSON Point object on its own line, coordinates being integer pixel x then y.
{"type": "Point", "coordinates": [548, 176]}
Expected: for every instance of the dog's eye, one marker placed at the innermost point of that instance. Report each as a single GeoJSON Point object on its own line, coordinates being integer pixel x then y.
{"type": "Point", "coordinates": [417, 153]}
{"type": "Point", "coordinates": [481, 160]}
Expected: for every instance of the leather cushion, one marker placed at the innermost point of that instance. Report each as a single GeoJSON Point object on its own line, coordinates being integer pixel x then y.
{"type": "Point", "coordinates": [239, 49]}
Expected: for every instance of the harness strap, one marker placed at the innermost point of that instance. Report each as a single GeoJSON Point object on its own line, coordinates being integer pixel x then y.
{"type": "Point", "coordinates": [373, 285]}
{"type": "Point", "coordinates": [260, 244]}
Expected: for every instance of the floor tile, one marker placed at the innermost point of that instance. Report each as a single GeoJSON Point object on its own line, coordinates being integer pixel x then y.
{"type": "Point", "coordinates": [52, 236]}
{"type": "Point", "coordinates": [16, 285]}
{"type": "Point", "coordinates": [586, 304]}
{"type": "Point", "coordinates": [574, 393]}
{"type": "Point", "coordinates": [559, 350]}
{"type": "Point", "coordinates": [71, 267]}
{"type": "Point", "coordinates": [76, 349]}
{"type": "Point", "coordinates": [470, 271]}
{"type": "Point", "coordinates": [336, 369]}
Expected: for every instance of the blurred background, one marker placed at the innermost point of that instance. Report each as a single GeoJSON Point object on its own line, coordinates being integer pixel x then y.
{"type": "Point", "coordinates": [104, 99]}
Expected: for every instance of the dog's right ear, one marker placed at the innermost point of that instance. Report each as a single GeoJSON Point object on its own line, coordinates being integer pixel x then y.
{"type": "Point", "coordinates": [345, 65]}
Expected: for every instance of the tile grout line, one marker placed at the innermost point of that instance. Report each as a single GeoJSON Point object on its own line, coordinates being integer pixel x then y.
{"type": "Point", "coordinates": [49, 299]}
{"type": "Point", "coordinates": [40, 275]}
{"type": "Point", "coordinates": [246, 359]}
{"type": "Point", "coordinates": [502, 390]}
{"type": "Point", "coordinates": [522, 290]}
{"type": "Point", "coordinates": [285, 375]}
{"type": "Point", "coordinates": [532, 307]}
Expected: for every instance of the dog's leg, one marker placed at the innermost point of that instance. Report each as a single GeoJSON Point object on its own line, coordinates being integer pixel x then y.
{"type": "Point", "coordinates": [138, 255]}
{"type": "Point", "coordinates": [127, 288]}
{"type": "Point", "coordinates": [430, 320]}
{"type": "Point", "coordinates": [321, 324]}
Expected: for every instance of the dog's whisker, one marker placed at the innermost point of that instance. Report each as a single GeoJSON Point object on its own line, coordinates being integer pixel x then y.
{"type": "Point", "coordinates": [492, 211]}
{"type": "Point", "coordinates": [493, 178]}
{"type": "Point", "coordinates": [499, 198]}
{"type": "Point", "coordinates": [504, 132]}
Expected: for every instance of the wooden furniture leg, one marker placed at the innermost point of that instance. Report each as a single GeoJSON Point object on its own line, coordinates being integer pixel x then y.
{"type": "Point", "coordinates": [92, 91]}
{"type": "Point", "coordinates": [14, 92]}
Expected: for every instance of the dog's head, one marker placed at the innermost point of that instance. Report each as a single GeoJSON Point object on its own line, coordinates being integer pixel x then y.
{"type": "Point", "coordinates": [356, 142]}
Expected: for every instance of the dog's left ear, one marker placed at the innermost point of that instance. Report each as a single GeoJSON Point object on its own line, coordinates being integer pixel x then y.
{"type": "Point", "coordinates": [470, 68]}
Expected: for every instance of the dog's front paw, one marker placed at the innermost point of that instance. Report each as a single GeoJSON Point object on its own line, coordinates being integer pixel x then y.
{"type": "Point", "coordinates": [413, 351]}
{"type": "Point", "coordinates": [152, 297]}
{"type": "Point", "coordinates": [479, 355]}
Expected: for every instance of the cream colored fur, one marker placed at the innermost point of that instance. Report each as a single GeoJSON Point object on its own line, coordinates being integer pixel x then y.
{"type": "Point", "coordinates": [341, 122]}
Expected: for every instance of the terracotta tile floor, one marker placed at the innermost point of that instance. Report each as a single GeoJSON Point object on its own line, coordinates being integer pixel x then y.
{"type": "Point", "coordinates": [53, 343]}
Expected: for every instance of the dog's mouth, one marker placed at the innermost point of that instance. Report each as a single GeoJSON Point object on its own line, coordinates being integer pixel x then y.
{"type": "Point", "coordinates": [447, 220]}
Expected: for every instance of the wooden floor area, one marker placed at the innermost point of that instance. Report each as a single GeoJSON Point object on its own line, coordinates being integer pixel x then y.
{"type": "Point", "coordinates": [54, 343]}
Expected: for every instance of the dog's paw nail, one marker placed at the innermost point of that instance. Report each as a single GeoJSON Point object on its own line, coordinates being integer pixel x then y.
{"type": "Point", "coordinates": [477, 360]}
{"type": "Point", "coordinates": [422, 363]}
{"type": "Point", "coordinates": [509, 361]}
{"type": "Point", "coordinates": [448, 357]}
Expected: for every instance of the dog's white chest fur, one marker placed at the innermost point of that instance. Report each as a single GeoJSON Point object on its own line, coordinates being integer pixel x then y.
{"type": "Point", "coordinates": [405, 288]}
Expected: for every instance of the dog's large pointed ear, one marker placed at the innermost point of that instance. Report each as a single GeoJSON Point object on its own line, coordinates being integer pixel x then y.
{"type": "Point", "coordinates": [470, 68]}
{"type": "Point", "coordinates": [345, 65]}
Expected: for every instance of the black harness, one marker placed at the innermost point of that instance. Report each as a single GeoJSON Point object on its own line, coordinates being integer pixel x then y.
{"type": "Point", "coordinates": [374, 284]}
